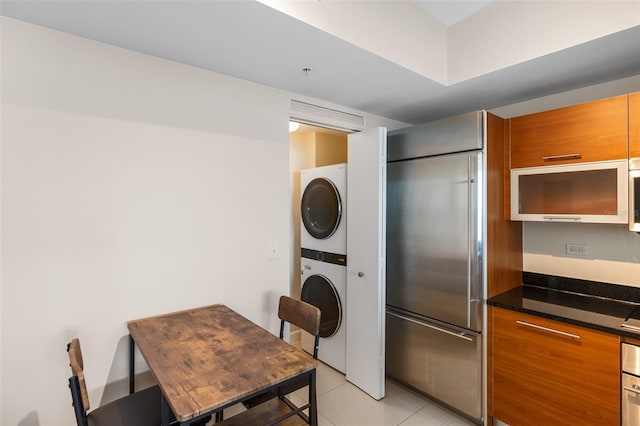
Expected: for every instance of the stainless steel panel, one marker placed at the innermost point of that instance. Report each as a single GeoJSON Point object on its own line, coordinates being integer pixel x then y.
{"type": "Point", "coordinates": [631, 359]}
{"type": "Point", "coordinates": [441, 361]}
{"type": "Point", "coordinates": [434, 245]}
{"type": "Point", "coordinates": [630, 400]}
{"type": "Point", "coordinates": [454, 134]}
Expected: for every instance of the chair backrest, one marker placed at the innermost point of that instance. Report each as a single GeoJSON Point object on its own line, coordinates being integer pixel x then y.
{"type": "Point", "coordinates": [77, 381]}
{"type": "Point", "coordinates": [302, 314]}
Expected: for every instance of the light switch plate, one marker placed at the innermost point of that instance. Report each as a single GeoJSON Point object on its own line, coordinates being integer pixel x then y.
{"type": "Point", "coordinates": [272, 250]}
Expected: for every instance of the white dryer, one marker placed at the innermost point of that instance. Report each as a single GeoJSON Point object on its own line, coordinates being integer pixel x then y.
{"type": "Point", "coordinates": [324, 284]}
{"type": "Point", "coordinates": [323, 209]}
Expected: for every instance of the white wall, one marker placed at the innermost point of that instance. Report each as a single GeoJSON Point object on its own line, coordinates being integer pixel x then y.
{"type": "Point", "coordinates": [508, 32]}
{"type": "Point", "coordinates": [613, 251]}
{"type": "Point", "coordinates": [571, 97]}
{"type": "Point", "coordinates": [131, 186]}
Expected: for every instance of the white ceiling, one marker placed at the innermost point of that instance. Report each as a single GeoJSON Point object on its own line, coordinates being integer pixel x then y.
{"type": "Point", "coordinates": [255, 42]}
{"type": "Point", "coordinates": [451, 12]}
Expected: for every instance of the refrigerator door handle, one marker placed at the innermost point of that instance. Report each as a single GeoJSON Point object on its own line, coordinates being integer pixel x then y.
{"type": "Point", "coordinates": [474, 162]}
{"type": "Point", "coordinates": [460, 335]}
{"type": "Point", "coordinates": [469, 237]}
{"type": "Point", "coordinates": [470, 243]}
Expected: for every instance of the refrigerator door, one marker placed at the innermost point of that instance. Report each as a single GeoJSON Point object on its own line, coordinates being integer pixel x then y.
{"type": "Point", "coordinates": [441, 361]}
{"type": "Point", "coordinates": [433, 240]}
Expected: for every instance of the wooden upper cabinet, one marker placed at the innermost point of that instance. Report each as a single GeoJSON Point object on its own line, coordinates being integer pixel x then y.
{"type": "Point", "coordinates": [634, 125]}
{"type": "Point", "coordinates": [593, 131]}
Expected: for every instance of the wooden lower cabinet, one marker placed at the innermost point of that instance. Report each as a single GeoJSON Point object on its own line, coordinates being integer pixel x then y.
{"type": "Point", "coordinates": [559, 374]}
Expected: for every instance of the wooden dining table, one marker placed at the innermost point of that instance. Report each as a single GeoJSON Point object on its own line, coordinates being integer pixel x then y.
{"type": "Point", "coordinates": [210, 358]}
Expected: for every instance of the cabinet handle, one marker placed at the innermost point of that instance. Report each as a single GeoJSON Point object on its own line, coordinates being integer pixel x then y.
{"type": "Point", "coordinates": [549, 330]}
{"type": "Point", "coordinates": [561, 157]}
{"type": "Point", "coordinates": [634, 390]}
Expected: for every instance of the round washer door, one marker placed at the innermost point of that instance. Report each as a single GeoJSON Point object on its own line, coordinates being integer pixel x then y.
{"type": "Point", "coordinates": [321, 208]}
{"type": "Point", "coordinates": [320, 292]}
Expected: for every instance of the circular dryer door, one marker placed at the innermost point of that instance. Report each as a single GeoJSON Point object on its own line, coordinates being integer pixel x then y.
{"type": "Point", "coordinates": [320, 292]}
{"type": "Point", "coordinates": [321, 208]}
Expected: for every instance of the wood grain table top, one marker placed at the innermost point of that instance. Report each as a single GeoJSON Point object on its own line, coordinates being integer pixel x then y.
{"type": "Point", "coordinates": [206, 358]}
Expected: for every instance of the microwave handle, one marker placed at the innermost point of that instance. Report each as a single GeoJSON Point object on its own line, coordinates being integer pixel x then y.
{"type": "Point", "coordinates": [562, 218]}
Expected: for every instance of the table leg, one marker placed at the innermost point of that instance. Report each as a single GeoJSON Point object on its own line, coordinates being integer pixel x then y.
{"type": "Point", "coordinates": [313, 404]}
{"type": "Point", "coordinates": [132, 365]}
{"type": "Point", "coordinates": [165, 412]}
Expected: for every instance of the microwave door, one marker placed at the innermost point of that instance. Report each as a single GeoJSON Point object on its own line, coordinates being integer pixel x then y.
{"type": "Point", "coordinates": [634, 200]}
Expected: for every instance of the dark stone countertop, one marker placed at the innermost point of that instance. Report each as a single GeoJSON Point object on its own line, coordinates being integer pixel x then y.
{"type": "Point", "coordinates": [595, 305]}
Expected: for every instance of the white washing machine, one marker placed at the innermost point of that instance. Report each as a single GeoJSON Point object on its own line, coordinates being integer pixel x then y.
{"type": "Point", "coordinates": [324, 284]}
{"type": "Point", "coordinates": [323, 209]}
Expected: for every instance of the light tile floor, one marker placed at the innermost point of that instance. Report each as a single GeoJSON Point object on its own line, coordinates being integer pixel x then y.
{"type": "Point", "coordinates": [342, 404]}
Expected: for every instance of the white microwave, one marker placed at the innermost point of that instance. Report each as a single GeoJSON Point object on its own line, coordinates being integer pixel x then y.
{"type": "Point", "coordinates": [586, 192]}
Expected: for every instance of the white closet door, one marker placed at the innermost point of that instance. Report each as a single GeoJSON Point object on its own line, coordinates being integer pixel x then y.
{"type": "Point", "coordinates": [366, 251]}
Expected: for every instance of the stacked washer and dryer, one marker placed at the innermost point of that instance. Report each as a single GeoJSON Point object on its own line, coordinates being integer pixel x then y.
{"type": "Point", "coordinates": [323, 241]}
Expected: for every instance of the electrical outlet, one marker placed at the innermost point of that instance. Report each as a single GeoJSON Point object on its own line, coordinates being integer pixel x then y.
{"type": "Point", "coordinates": [578, 250]}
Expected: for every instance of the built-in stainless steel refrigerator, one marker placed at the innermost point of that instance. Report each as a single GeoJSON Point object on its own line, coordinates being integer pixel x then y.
{"type": "Point", "coordinates": [435, 226]}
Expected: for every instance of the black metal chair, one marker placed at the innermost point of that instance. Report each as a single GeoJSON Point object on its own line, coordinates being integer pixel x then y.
{"type": "Point", "coordinates": [307, 317]}
{"type": "Point", "coordinates": [138, 409]}
{"type": "Point", "coordinates": [142, 408]}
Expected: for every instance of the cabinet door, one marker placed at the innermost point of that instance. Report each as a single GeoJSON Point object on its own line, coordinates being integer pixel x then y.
{"type": "Point", "coordinates": [593, 131]}
{"type": "Point", "coordinates": [634, 125]}
{"type": "Point", "coordinates": [550, 373]}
